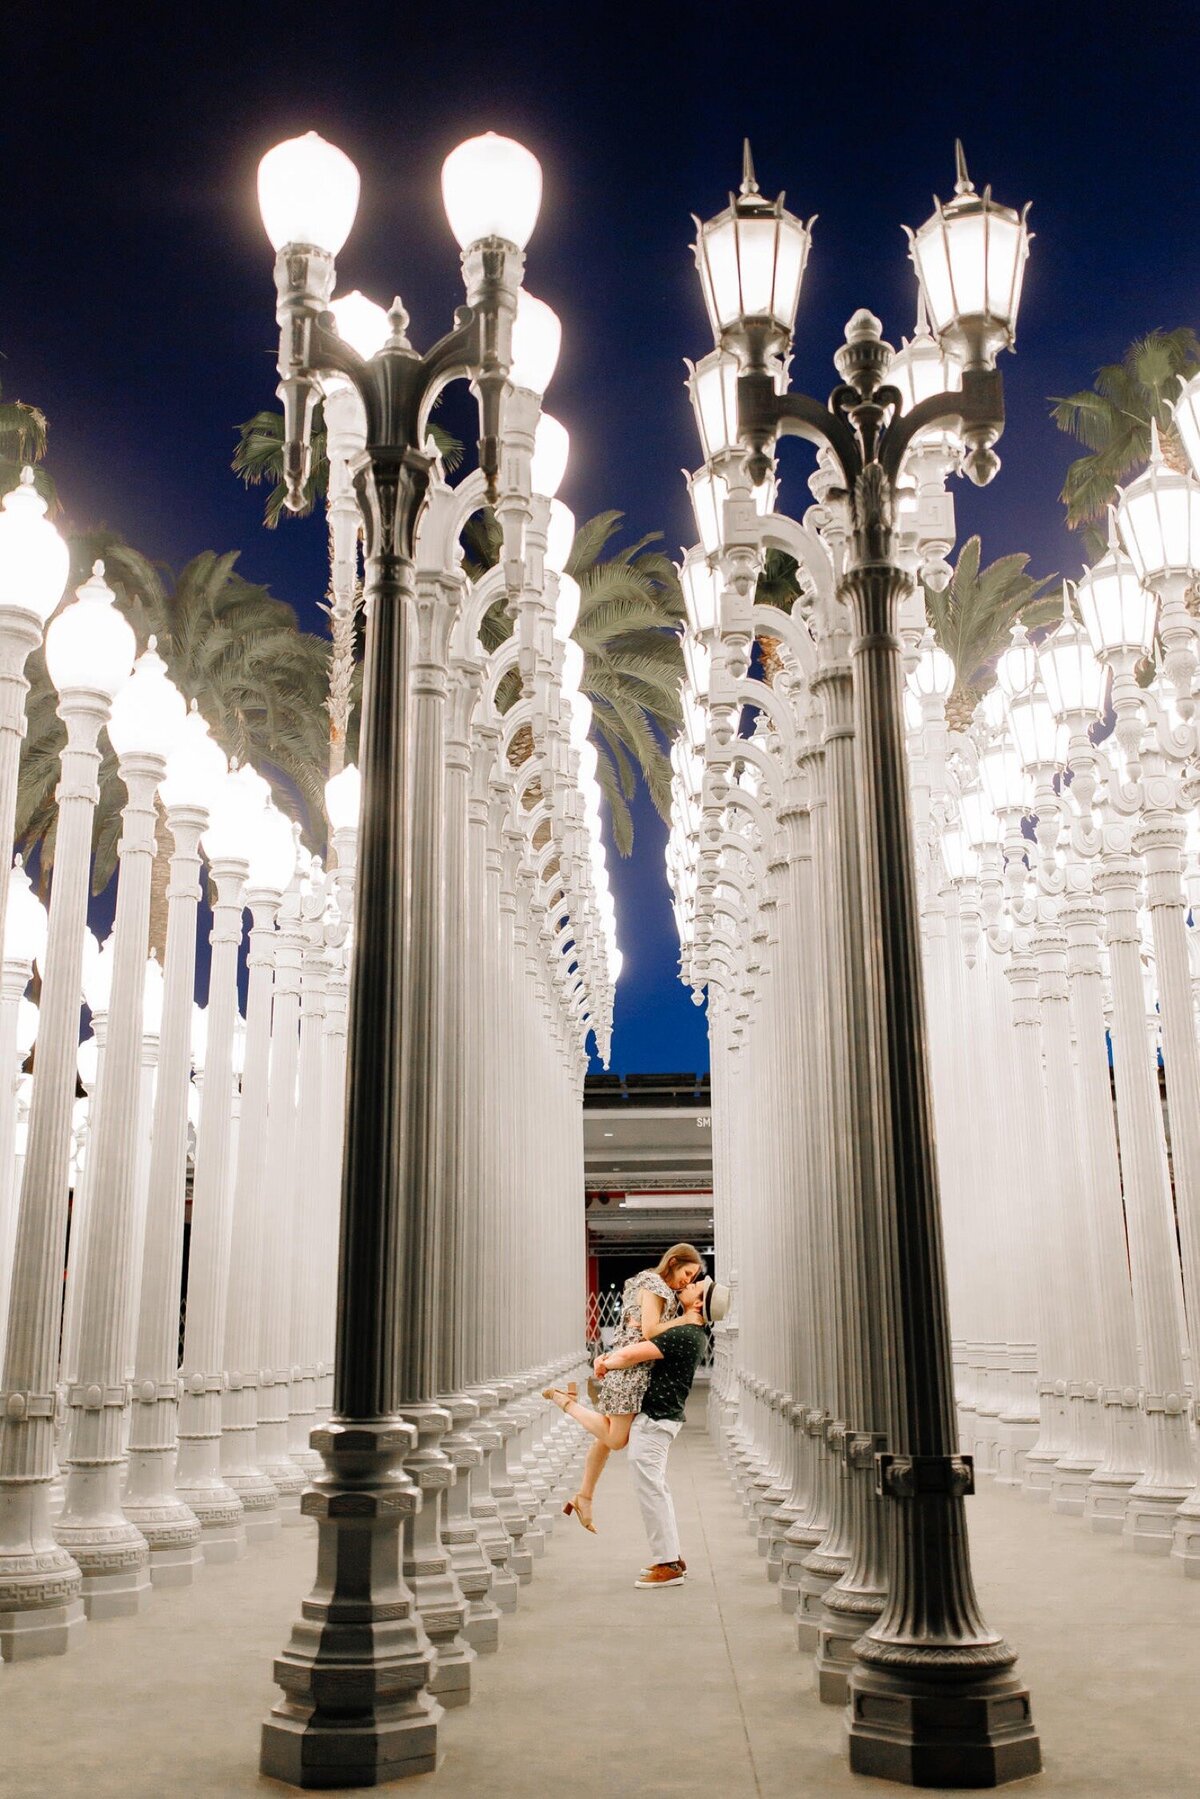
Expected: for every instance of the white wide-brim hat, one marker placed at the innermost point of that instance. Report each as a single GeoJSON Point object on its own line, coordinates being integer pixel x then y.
{"type": "Point", "coordinates": [716, 1302]}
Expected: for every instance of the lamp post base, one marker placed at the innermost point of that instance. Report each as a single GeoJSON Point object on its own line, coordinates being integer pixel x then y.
{"type": "Point", "coordinates": [41, 1611]}
{"type": "Point", "coordinates": [355, 1710]}
{"type": "Point", "coordinates": [939, 1733]}
{"type": "Point", "coordinates": [1149, 1522]}
{"type": "Point", "coordinates": [1185, 1538]}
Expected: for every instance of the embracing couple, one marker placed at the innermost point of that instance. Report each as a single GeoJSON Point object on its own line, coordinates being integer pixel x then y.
{"type": "Point", "coordinates": [645, 1379]}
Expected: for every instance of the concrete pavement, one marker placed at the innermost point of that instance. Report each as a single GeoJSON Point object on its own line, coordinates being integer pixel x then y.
{"type": "Point", "coordinates": [604, 1692]}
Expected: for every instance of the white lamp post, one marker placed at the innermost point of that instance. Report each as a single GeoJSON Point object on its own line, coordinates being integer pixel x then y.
{"type": "Point", "coordinates": [195, 773]}
{"type": "Point", "coordinates": [234, 814]}
{"type": "Point", "coordinates": [24, 943]}
{"type": "Point", "coordinates": [282, 1207]}
{"type": "Point", "coordinates": [34, 562]}
{"type": "Point", "coordinates": [89, 650]}
{"type": "Point", "coordinates": [271, 861]}
{"type": "Point", "coordinates": [111, 1552]}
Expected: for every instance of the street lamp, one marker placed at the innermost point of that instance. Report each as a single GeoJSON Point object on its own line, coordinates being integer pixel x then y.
{"type": "Point", "coordinates": [24, 944]}
{"type": "Point", "coordinates": [34, 562]}
{"type": "Point", "coordinates": [147, 714]}
{"type": "Point", "coordinates": [89, 651]}
{"type": "Point", "coordinates": [384, 1722]}
{"type": "Point", "coordinates": [1158, 518]}
{"type": "Point", "coordinates": [195, 772]}
{"type": "Point", "coordinates": [270, 866]}
{"type": "Point", "coordinates": [938, 1682]}
{"type": "Point", "coordinates": [234, 811]}
{"type": "Point", "coordinates": [751, 260]}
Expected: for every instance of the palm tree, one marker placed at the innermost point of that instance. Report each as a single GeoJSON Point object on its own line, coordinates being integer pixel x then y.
{"type": "Point", "coordinates": [257, 678]}
{"type": "Point", "coordinates": [259, 458]}
{"type": "Point", "coordinates": [778, 585]}
{"type": "Point", "coordinates": [23, 433]}
{"type": "Point", "coordinates": [1112, 419]}
{"type": "Point", "coordinates": [973, 617]}
{"type": "Point", "coordinates": [629, 617]}
{"type": "Point", "coordinates": [630, 610]}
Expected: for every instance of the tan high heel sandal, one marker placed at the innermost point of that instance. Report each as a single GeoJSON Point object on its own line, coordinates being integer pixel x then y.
{"type": "Point", "coordinates": [576, 1505]}
{"type": "Point", "coordinates": [562, 1397]}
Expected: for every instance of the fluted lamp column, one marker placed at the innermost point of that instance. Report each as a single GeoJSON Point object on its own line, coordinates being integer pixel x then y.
{"type": "Point", "coordinates": [112, 1554]}
{"type": "Point", "coordinates": [24, 944]}
{"type": "Point", "coordinates": [195, 772]}
{"type": "Point", "coordinates": [271, 864]}
{"type": "Point", "coordinates": [89, 652]}
{"type": "Point", "coordinates": [34, 562]}
{"type": "Point", "coordinates": [236, 807]}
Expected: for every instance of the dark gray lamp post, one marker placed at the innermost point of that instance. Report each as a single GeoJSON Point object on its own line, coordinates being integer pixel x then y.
{"type": "Point", "coordinates": [934, 1697]}
{"type": "Point", "coordinates": [355, 1710]}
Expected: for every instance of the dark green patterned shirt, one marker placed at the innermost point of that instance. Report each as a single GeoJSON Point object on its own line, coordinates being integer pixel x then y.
{"type": "Point", "coordinates": [671, 1379]}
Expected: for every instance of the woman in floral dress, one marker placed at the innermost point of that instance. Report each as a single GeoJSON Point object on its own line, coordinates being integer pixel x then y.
{"type": "Point", "coordinates": [649, 1301]}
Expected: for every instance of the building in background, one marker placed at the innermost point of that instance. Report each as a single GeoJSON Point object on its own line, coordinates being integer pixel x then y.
{"type": "Point", "coordinates": [647, 1175]}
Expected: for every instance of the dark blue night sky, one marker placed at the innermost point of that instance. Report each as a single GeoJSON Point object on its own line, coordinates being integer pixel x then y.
{"type": "Point", "coordinates": [137, 299]}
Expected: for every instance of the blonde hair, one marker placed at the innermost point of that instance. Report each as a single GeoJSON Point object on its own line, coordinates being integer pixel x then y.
{"type": "Point", "coordinates": [677, 1257]}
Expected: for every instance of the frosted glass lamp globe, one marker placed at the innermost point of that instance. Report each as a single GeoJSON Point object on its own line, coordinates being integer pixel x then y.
{"type": "Point", "coordinates": [580, 724]}
{"type": "Point", "coordinates": [701, 592]}
{"type": "Point", "coordinates": [970, 261]}
{"type": "Point", "coordinates": [153, 996]}
{"type": "Point", "coordinates": [273, 855]}
{"type": "Point", "coordinates": [90, 645]}
{"type": "Point", "coordinates": [751, 260]}
{"type": "Point", "coordinates": [307, 193]}
{"type": "Point", "coordinates": [1158, 517]}
{"type": "Point", "coordinates": [536, 342]}
{"type": "Point", "coordinates": [343, 799]}
{"type": "Point", "coordinates": [363, 323]}
{"type": "Point", "coordinates": [1118, 612]}
{"type": "Point", "coordinates": [87, 1061]}
{"type": "Point", "coordinates": [98, 977]}
{"type": "Point", "coordinates": [572, 668]}
{"type": "Point", "coordinates": [199, 1036]}
{"type": "Point", "coordinates": [560, 536]}
{"type": "Point", "coordinates": [148, 713]}
{"type": "Point", "coordinates": [196, 767]}
{"type": "Point", "coordinates": [25, 920]}
{"type": "Point", "coordinates": [34, 560]}
{"type": "Point", "coordinates": [237, 806]}
{"type": "Point", "coordinates": [492, 187]}
{"type": "Point", "coordinates": [27, 1027]}
{"type": "Point", "coordinates": [551, 448]}
{"type": "Point", "coordinates": [566, 609]}
{"type": "Point", "coordinates": [934, 674]}
{"type": "Point", "coordinates": [589, 762]}
{"type": "Point", "coordinates": [1016, 670]}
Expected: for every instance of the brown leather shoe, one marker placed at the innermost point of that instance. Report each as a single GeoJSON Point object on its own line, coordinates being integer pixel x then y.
{"type": "Point", "coordinates": [680, 1564]}
{"type": "Point", "coordinates": [663, 1574]}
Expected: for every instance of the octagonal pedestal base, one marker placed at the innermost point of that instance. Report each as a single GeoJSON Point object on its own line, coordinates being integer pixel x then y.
{"type": "Point", "coordinates": [321, 1757]}
{"type": "Point", "coordinates": [1149, 1521]}
{"type": "Point", "coordinates": [1185, 1539]}
{"type": "Point", "coordinates": [41, 1630]}
{"type": "Point", "coordinates": [975, 1734]}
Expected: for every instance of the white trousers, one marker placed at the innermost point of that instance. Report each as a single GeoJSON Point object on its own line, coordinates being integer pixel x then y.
{"type": "Point", "coordinates": [650, 1441]}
